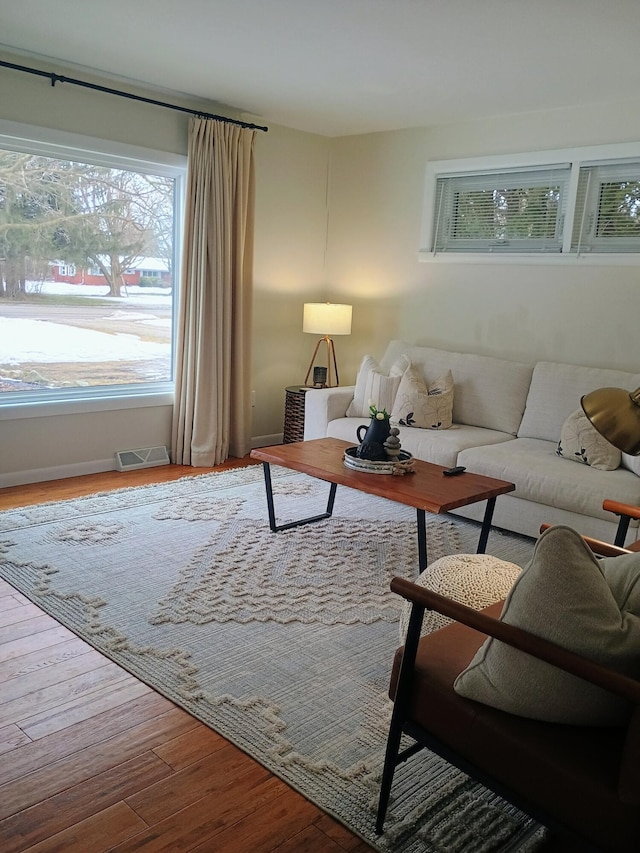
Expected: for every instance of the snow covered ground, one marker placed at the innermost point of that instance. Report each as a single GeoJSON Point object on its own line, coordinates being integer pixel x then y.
{"type": "Point", "coordinates": [27, 341]}
{"type": "Point", "coordinates": [150, 297]}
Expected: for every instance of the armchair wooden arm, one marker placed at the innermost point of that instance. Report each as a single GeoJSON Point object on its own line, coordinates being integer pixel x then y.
{"type": "Point", "coordinates": [626, 513]}
{"type": "Point", "coordinates": [621, 509]}
{"type": "Point", "coordinates": [621, 685]}
{"type": "Point", "coordinates": [604, 549]}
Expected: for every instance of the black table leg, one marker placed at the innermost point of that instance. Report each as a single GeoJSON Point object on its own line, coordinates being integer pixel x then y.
{"type": "Point", "coordinates": [422, 540]}
{"type": "Point", "coordinates": [486, 526]}
{"type": "Point", "coordinates": [271, 509]}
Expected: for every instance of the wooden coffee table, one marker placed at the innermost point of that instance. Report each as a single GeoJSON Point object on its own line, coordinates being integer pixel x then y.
{"type": "Point", "coordinates": [427, 490]}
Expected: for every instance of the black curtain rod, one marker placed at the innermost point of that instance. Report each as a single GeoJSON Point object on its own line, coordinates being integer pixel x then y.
{"type": "Point", "coordinates": [57, 78]}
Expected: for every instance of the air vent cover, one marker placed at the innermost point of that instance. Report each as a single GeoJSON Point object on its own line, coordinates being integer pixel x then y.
{"type": "Point", "coordinates": [145, 457]}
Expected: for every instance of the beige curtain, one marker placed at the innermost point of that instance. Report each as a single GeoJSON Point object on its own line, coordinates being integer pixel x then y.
{"type": "Point", "coordinates": [212, 411]}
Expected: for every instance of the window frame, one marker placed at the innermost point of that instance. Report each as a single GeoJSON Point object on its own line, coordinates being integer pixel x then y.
{"type": "Point", "coordinates": [60, 144]}
{"type": "Point", "coordinates": [583, 157]}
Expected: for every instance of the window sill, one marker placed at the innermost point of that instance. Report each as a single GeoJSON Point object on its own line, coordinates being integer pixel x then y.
{"type": "Point", "coordinates": [47, 408]}
{"type": "Point", "coordinates": [591, 260]}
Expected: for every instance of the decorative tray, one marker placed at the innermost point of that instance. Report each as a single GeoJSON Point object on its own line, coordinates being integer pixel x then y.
{"type": "Point", "coordinates": [402, 464]}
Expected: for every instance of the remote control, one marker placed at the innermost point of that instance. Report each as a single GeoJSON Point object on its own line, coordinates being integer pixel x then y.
{"type": "Point", "coordinates": [453, 472]}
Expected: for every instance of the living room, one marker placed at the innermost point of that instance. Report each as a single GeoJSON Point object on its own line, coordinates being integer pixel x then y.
{"type": "Point", "coordinates": [340, 217]}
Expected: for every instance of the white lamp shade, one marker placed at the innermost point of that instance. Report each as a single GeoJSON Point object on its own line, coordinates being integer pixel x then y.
{"type": "Point", "coordinates": [326, 318]}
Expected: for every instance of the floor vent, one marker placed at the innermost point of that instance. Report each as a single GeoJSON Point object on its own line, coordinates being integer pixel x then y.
{"type": "Point", "coordinates": [145, 457]}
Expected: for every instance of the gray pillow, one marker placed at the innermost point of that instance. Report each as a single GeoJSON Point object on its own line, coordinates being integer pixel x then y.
{"type": "Point", "coordinates": [587, 605]}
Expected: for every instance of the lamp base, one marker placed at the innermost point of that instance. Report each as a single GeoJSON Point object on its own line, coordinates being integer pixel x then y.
{"type": "Point", "coordinates": [331, 358]}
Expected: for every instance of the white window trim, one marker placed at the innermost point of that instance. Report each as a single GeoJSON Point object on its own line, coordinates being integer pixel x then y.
{"type": "Point", "coordinates": [577, 156]}
{"type": "Point", "coordinates": [16, 136]}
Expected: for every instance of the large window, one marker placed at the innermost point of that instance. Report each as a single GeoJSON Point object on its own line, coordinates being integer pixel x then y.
{"type": "Point", "coordinates": [88, 272]}
{"type": "Point", "coordinates": [576, 207]}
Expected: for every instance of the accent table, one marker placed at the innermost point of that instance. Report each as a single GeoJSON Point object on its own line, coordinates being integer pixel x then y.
{"type": "Point", "coordinates": [294, 413]}
{"type": "Point", "coordinates": [427, 490]}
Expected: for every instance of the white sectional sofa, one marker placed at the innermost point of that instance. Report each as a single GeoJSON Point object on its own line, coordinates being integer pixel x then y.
{"type": "Point", "coordinates": [507, 421]}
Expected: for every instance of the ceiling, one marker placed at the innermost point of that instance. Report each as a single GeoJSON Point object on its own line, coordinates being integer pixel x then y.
{"type": "Point", "coordinates": [340, 67]}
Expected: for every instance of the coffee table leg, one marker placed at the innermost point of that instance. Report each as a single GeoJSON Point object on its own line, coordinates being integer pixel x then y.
{"type": "Point", "coordinates": [486, 526]}
{"type": "Point", "coordinates": [422, 540]}
{"type": "Point", "coordinates": [272, 512]}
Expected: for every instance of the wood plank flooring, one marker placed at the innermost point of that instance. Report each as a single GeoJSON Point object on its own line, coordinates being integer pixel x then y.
{"type": "Point", "coordinates": [93, 760]}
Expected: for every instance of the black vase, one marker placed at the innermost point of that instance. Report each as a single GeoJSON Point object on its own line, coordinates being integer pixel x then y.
{"type": "Point", "coordinates": [372, 443]}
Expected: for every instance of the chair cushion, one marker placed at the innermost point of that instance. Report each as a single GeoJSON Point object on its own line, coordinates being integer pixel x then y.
{"type": "Point", "coordinates": [563, 595]}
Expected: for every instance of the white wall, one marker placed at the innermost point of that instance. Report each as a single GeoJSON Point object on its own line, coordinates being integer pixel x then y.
{"type": "Point", "coordinates": [291, 211]}
{"type": "Point", "coordinates": [580, 314]}
{"type": "Point", "coordinates": [340, 219]}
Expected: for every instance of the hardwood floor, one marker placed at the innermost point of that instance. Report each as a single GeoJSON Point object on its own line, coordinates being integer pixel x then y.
{"type": "Point", "coordinates": [93, 760]}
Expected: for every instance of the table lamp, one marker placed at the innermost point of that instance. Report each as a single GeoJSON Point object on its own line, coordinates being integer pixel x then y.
{"type": "Point", "coordinates": [615, 413]}
{"type": "Point", "coordinates": [326, 319]}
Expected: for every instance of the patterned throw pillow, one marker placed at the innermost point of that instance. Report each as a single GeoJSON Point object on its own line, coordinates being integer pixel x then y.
{"type": "Point", "coordinates": [581, 442]}
{"type": "Point", "coordinates": [374, 385]}
{"type": "Point", "coordinates": [417, 405]}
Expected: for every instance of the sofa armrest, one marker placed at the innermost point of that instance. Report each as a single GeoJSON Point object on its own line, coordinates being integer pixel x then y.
{"type": "Point", "coordinates": [322, 405]}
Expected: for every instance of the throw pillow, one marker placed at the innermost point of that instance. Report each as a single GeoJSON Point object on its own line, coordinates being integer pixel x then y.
{"type": "Point", "coordinates": [374, 386]}
{"type": "Point", "coordinates": [581, 442]}
{"type": "Point", "coordinates": [417, 405]}
{"type": "Point", "coordinates": [476, 580]}
{"type": "Point", "coordinates": [567, 596]}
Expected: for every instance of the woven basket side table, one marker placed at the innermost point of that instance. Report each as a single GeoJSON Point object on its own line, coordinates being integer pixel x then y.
{"type": "Point", "coordinates": [294, 413]}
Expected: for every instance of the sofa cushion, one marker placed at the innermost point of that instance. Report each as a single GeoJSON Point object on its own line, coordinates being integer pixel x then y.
{"type": "Point", "coordinates": [438, 446]}
{"type": "Point", "coordinates": [562, 595]}
{"type": "Point", "coordinates": [375, 385]}
{"type": "Point", "coordinates": [540, 476]}
{"type": "Point", "coordinates": [556, 390]}
{"type": "Point", "coordinates": [631, 463]}
{"type": "Point", "coordinates": [417, 405]}
{"type": "Point", "coordinates": [581, 442]}
{"type": "Point", "coordinates": [489, 392]}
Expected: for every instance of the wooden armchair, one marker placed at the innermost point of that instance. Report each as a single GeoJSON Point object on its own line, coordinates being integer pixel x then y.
{"type": "Point", "coordinates": [626, 513]}
{"type": "Point", "coordinates": [580, 781]}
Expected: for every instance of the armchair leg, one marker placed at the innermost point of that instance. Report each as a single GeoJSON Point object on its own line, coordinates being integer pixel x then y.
{"type": "Point", "coordinates": [621, 533]}
{"type": "Point", "coordinates": [390, 762]}
{"type": "Point", "coordinates": [392, 758]}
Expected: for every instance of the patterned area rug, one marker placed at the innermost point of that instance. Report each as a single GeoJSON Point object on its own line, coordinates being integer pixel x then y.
{"type": "Point", "coordinates": [281, 642]}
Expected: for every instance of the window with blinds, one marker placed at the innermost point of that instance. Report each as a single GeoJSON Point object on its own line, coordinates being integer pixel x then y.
{"type": "Point", "coordinates": [518, 211]}
{"type": "Point", "coordinates": [581, 203]}
{"type": "Point", "coordinates": [607, 213]}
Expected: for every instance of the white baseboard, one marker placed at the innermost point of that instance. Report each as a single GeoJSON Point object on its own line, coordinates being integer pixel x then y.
{"type": "Point", "coordinates": [266, 440]}
{"type": "Point", "coordinates": [58, 472]}
{"type": "Point", "coordinates": [97, 466]}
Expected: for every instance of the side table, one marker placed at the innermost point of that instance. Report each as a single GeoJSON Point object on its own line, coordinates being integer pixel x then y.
{"type": "Point", "coordinates": [294, 413]}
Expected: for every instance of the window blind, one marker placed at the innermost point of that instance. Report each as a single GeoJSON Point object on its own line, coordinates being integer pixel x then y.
{"type": "Point", "coordinates": [512, 211]}
{"type": "Point", "coordinates": [607, 214]}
